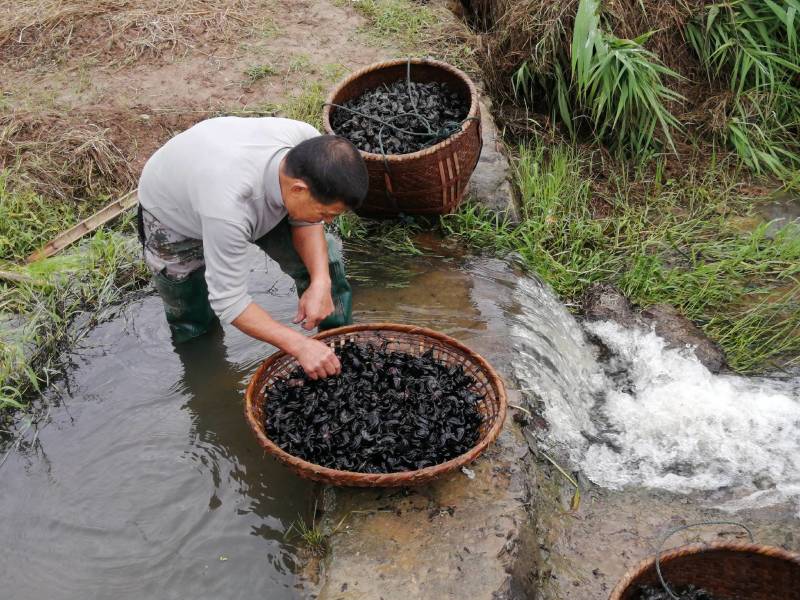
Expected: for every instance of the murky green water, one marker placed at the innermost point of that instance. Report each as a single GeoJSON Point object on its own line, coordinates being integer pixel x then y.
{"type": "Point", "coordinates": [146, 481]}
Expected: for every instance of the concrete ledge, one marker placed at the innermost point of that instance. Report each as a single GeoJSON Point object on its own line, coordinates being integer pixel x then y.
{"type": "Point", "coordinates": [456, 538]}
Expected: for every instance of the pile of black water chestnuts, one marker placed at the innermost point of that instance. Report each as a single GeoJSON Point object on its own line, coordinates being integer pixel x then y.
{"type": "Point", "coordinates": [401, 118]}
{"type": "Point", "coordinates": [387, 412]}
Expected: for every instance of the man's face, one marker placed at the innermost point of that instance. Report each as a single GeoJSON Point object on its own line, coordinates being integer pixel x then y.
{"type": "Point", "coordinates": [303, 207]}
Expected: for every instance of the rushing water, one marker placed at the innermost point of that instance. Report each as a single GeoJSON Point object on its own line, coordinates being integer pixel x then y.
{"type": "Point", "coordinates": [648, 415]}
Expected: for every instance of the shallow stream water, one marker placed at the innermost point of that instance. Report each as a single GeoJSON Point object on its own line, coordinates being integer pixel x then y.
{"type": "Point", "coordinates": [145, 481]}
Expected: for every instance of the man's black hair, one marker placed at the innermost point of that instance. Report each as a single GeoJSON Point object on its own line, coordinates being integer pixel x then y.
{"type": "Point", "coordinates": [331, 167]}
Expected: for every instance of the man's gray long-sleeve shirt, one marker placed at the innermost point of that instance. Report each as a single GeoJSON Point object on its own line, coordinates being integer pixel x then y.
{"type": "Point", "coordinates": [218, 181]}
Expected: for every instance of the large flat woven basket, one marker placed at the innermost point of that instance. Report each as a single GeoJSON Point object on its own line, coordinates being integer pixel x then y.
{"type": "Point", "coordinates": [432, 180]}
{"type": "Point", "coordinates": [405, 338]}
{"type": "Point", "coordinates": [725, 570]}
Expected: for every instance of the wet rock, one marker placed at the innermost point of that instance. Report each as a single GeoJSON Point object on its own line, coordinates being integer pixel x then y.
{"type": "Point", "coordinates": [604, 302]}
{"type": "Point", "coordinates": [678, 331]}
{"type": "Point", "coordinates": [783, 214]}
{"type": "Point", "coordinates": [490, 184]}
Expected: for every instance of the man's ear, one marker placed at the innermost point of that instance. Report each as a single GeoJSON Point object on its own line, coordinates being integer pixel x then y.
{"type": "Point", "coordinates": [299, 186]}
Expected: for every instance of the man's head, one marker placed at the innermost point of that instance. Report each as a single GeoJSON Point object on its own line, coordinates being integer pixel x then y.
{"type": "Point", "coordinates": [323, 177]}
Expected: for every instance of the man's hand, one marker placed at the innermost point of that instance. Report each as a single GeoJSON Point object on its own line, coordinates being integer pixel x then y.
{"type": "Point", "coordinates": [317, 359]}
{"type": "Point", "coordinates": [314, 305]}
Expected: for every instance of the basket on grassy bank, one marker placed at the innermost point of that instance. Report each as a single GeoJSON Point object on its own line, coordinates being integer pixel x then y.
{"type": "Point", "coordinates": [724, 570]}
{"type": "Point", "coordinates": [415, 341]}
{"type": "Point", "coordinates": [431, 180]}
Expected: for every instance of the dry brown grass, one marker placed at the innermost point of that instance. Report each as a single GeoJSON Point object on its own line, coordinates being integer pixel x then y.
{"type": "Point", "coordinates": [50, 30]}
{"type": "Point", "coordinates": [514, 31]}
{"type": "Point", "coordinates": [60, 158]}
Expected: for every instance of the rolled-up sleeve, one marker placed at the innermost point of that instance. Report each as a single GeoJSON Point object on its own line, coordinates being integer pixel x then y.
{"type": "Point", "coordinates": [225, 247]}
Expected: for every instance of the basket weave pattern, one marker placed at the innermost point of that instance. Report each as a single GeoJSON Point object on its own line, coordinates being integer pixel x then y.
{"type": "Point", "coordinates": [432, 180]}
{"type": "Point", "coordinates": [725, 570]}
{"type": "Point", "coordinates": [403, 338]}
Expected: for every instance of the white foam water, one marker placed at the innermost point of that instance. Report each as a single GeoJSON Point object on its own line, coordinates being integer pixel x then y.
{"type": "Point", "coordinates": [654, 416]}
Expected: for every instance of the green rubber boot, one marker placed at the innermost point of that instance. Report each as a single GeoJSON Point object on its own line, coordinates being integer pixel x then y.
{"type": "Point", "coordinates": [342, 297]}
{"type": "Point", "coordinates": [186, 304]}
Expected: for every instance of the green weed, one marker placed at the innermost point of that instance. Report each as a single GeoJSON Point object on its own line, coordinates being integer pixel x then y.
{"type": "Point", "coordinates": [396, 20]}
{"type": "Point", "coordinates": [257, 72]}
{"type": "Point", "coordinates": [393, 236]}
{"type": "Point", "coordinates": [306, 105]}
{"type": "Point", "coordinates": [753, 48]}
{"type": "Point", "coordinates": [315, 541]}
{"type": "Point", "coordinates": [39, 308]}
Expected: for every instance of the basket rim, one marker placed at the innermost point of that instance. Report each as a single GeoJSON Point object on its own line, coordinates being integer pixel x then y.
{"type": "Point", "coordinates": [697, 548]}
{"type": "Point", "coordinates": [474, 108]}
{"type": "Point", "coordinates": [380, 479]}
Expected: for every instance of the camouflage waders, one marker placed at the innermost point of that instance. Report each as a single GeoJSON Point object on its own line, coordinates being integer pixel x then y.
{"type": "Point", "coordinates": [178, 268]}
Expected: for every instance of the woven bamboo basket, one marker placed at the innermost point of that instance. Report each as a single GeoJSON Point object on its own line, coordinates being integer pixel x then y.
{"type": "Point", "coordinates": [405, 338]}
{"type": "Point", "coordinates": [726, 570]}
{"type": "Point", "coordinates": [432, 180]}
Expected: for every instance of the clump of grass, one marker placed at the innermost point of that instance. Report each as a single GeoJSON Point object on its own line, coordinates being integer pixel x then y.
{"type": "Point", "coordinates": [306, 105]}
{"type": "Point", "coordinates": [40, 302]}
{"type": "Point", "coordinates": [315, 537]}
{"type": "Point", "coordinates": [27, 221]}
{"type": "Point", "coordinates": [258, 72]}
{"type": "Point", "coordinates": [315, 541]}
{"type": "Point", "coordinates": [753, 48]}
{"type": "Point", "coordinates": [394, 20]}
{"type": "Point", "coordinates": [671, 241]}
{"type": "Point", "coordinates": [300, 63]}
{"type": "Point", "coordinates": [394, 236]}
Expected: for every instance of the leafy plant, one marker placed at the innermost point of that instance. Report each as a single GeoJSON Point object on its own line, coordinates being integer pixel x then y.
{"type": "Point", "coordinates": [615, 82]}
{"type": "Point", "coordinates": [753, 47]}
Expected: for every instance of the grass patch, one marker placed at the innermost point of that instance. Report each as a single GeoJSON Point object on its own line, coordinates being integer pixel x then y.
{"type": "Point", "coordinates": [752, 48]}
{"type": "Point", "coordinates": [599, 68]}
{"type": "Point", "coordinates": [39, 306]}
{"type": "Point", "coordinates": [314, 540]}
{"type": "Point", "coordinates": [394, 20]}
{"type": "Point", "coordinates": [306, 105]}
{"type": "Point", "coordinates": [258, 72]}
{"type": "Point", "coordinates": [612, 84]}
{"type": "Point", "coordinates": [391, 235]}
{"type": "Point", "coordinates": [300, 63]}
{"type": "Point", "coordinates": [662, 240]}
